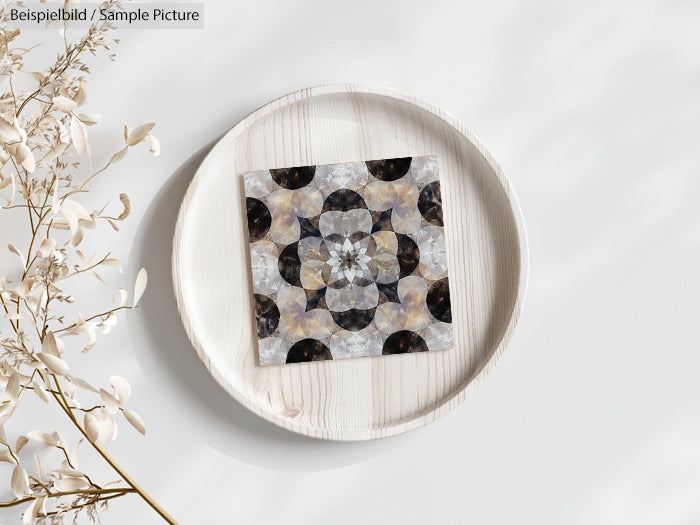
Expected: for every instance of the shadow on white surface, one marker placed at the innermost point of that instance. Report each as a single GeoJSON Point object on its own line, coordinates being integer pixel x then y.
{"type": "Point", "coordinates": [210, 413]}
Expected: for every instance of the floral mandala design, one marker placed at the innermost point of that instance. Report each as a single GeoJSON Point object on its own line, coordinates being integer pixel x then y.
{"type": "Point", "coordinates": [348, 260]}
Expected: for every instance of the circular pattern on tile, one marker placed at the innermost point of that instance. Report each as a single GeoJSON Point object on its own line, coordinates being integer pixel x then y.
{"type": "Point", "coordinates": [308, 350]}
{"type": "Point", "coordinates": [403, 342]}
{"type": "Point", "coordinates": [389, 169]}
{"type": "Point", "coordinates": [293, 178]}
{"type": "Point", "coordinates": [438, 301]}
{"type": "Point", "coordinates": [430, 203]}
{"type": "Point", "coordinates": [259, 219]}
{"type": "Point", "coordinates": [267, 315]}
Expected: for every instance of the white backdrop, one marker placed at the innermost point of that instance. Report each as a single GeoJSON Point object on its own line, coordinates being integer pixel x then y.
{"type": "Point", "coordinates": [592, 109]}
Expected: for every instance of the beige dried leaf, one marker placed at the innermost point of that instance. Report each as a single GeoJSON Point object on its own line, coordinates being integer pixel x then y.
{"type": "Point", "coordinates": [122, 388]}
{"type": "Point", "coordinates": [23, 154]}
{"type": "Point", "coordinates": [154, 149]}
{"type": "Point", "coordinates": [135, 421]}
{"type": "Point", "coordinates": [69, 472]}
{"type": "Point", "coordinates": [19, 483]}
{"type": "Point", "coordinates": [68, 484]}
{"type": "Point", "coordinates": [19, 444]}
{"type": "Point", "coordinates": [64, 104]}
{"type": "Point", "coordinates": [6, 411]}
{"type": "Point", "coordinates": [34, 510]}
{"type": "Point", "coordinates": [55, 364]}
{"type": "Point", "coordinates": [119, 155]}
{"type": "Point", "coordinates": [77, 238]}
{"type": "Point", "coordinates": [73, 212]}
{"type": "Point", "coordinates": [127, 132]}
{"type": "Point", "coordinates": [53, 153]}
{"type": "Point", "coordinates": [8, 132]}
{"type": "Point", "coordinates": [25, 287]}
{"type": "Point", "coordinates": [6, 457]}
{"type": "Point", "coordinates": [14, 250]}
{"type": "Point", "coordinates": [78, 133]}
{"type": "Point", "coordinates": [92, 427]}
{"type": "Point", "coordinates": [111, 402]}
{"type": "Point", "coordinates": [123, 296]}
{"type": "Point", "coordinates": [140, 286]}
{"type": "Point", "coordinates": [14, 386]}
{"type": "Point", "coordinates": [139, 134]}
{"type": "Point", "coordinates": [114, 263]}
{"type": "Point", "coordinates": [124, 198]}
{"type": "Point", "coordinates": [81, 94]}
{"type": "Point", "coordinates": [41, 392]}
{"type": "Point", "coordinates": [41, 437]}
{"type": "Point", "coordinates": [81, 383]}
{"type": "Point", "coordinates": [50, 345]}
{"type": "Point", "coordinates": [89, 119]}
{"type": "Point", "coordinates": [108, 428]}
{"type": "Point", "coordinates": [46, 247]}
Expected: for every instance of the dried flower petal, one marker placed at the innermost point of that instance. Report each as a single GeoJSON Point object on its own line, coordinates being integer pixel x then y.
{"type": "Point", "coordinates": [8, 132]}
{"type": "Point", "coordinates": [41, 392]}
{"type": "Point", "coordinates": [6, 411]}
{"type": "Point", "coordinates": [124, 198]}
{"type": "Point", "coordinates": [55, 364]}
{"type": "Point", "coordinates": [140, 286]}
{"type": "Point", "coordinates": [81, 383]}
{"type": "Point", "coordinates": [50, 345]}
{"type": "Point", "coordinates": [88, 119]}
{"type": "Point", "coordinates": [119, 155]}
{"type": "Point", "coordinates": [41, 437]}
{"type": "Point", "coordinates": [68, 484]}
{"type": "Point", "coordinates": [154, 150]}
{"type": "Point", "coordinates": [114, 263]}
{"type": "Point", "coordinates": [81, 94]}
{"type": "Point", "coordinates": [19, 444]}
{"type": "Point", "coordinates": [135, 421]}
{"type": "Point", "coordinates": [13, 386]}
{"type": "Point", "coordinates": [46, 247]}
{"type": "Point", "coordinates": [69, 472]}
{"type": "Point", "coordinates": [64, 104]}
{"type": "Point", "coordinates": [34, 510]}
{"type": "Point", "coordinates": [6, 457]}
{"type": "Point", "coordinates": [23, 154]}
{"type": "Point", "coordinates": [139, 134]}
{"type": "Point", "coordinates": [78, 133]}
{"type": "Point", "coordinates": [111, 402]}
{"type": "Point", "coordinates": [122, 388]}
{"type": "Point", "coordinates": [92, 428]}
{"type": "Point", "coordinates": [19, 484]}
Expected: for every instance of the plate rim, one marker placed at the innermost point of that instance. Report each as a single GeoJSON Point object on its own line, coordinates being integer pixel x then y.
{"type": "Point", "coordinates": [449, 402]}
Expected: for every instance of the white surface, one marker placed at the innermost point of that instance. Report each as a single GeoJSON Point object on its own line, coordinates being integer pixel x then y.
{"type": "Point", "coordinates": [591, 415]}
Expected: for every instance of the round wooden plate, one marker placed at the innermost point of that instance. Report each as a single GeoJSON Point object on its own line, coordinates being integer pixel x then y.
{"type": "Point", "coordinates": [369, 397]}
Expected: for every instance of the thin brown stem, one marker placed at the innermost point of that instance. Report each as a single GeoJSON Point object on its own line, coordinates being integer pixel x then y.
{"type": "Point", "coordinates": [26, 499]}
{"type": "Point", "coordinates": [93, 317]}
{"type": "Point", "coordinates": [63, 402]}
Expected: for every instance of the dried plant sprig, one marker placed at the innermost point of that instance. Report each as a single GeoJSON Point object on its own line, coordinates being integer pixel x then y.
{"type": "Point", "coordinates": [43, 145]}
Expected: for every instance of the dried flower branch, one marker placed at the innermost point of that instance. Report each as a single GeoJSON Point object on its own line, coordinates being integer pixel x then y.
{"type": "Point", "coordinates": [44, 139]}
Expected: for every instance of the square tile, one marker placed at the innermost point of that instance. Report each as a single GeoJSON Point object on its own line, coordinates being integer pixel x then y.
{"type": "Point", "coordinates": [348, 260]}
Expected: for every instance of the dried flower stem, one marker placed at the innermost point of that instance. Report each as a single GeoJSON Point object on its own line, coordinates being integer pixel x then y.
{"type": "Point", "coordinates": [60, 397]}
{"type": "Point", "coordinates": [50, 494]}
{"type": "Point", "coordinates": [37, 147]}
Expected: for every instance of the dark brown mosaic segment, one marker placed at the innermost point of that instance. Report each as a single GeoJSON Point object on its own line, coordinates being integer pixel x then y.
{"type": "Point", "coordinates": [389, 169]}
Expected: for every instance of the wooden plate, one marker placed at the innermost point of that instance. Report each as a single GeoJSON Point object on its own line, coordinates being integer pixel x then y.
{"type": "Point", "coordinates": [372, 397]}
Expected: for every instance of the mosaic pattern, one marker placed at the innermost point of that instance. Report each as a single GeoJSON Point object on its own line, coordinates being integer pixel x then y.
{"type": "Point", "coordinates": [348, 260]}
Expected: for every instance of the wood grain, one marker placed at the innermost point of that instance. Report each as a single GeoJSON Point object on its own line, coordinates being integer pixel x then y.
{"type": "Point", "coordinates": [372, 397]}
